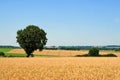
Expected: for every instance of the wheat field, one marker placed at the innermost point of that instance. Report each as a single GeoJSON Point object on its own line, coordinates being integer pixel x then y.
{"type": "Point", "coordinates": [62, 68]}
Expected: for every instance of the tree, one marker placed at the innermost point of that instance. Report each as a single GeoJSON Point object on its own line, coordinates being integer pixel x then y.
{"type": "Point", "coordinates": [94, 51]}
{"type": "Point", "coordinates": [2, 54]}
{"type": "Point", "coordinates": [31, 38]}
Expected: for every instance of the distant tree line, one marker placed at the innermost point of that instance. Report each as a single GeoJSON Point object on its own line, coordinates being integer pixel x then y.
{"type": "Point", "coordinates": [116, 48]}
{"type": "Point", "coordinates": [75, 47]}
{"type": "Point", "coordinates": [9, 46]}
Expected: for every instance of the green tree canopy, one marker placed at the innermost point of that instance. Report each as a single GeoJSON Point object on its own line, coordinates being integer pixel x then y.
{"type": "Point", "coordinates": [94, 51]}
{"type": "Point", "coordinates": [31, 38]}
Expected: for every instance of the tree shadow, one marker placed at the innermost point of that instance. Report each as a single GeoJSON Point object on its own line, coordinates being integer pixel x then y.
{"type": "Point", "coordinates": [105, 55]}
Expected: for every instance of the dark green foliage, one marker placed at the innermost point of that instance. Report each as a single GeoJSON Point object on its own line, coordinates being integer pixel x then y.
{"type": "Point", "coordinates": [108, 55]}
{"type": "Point", "coordinates": [31, 38]}
{"type": "Point", "coordinates": [118, 49]}
{"type": "Point", "coordinates": [105, 55]}
{"type": "Point", "coordinates": [2, 54]}
{"type": "Point", "coordinates": [94, 51]}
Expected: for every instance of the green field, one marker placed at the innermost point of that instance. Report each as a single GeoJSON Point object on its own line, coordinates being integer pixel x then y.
{"type": "Point", "coordinates": [6, 50]}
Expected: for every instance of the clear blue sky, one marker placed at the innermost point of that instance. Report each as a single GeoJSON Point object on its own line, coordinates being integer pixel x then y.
{"type": "Point", "coordinates": [67, 22]}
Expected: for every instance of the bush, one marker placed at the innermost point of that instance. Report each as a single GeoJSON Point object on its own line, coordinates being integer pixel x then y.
{"type": "Point", "coordinates": [109, 55]}
{"type": "Point", "coordinates": [117, 49]}
{"type": "Point", "coordinates": [94, 52]}
{"type": "Point", "coordinates": [2, 54]}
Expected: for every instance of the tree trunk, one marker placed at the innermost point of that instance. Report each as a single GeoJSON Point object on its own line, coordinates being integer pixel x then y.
{"type": "Point", "coordinates": [28, 55]}
{"type": "Point", "coordinates": [32, 55]}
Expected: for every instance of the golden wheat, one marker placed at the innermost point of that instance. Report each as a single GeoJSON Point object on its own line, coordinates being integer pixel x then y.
{"type": "Point", "coordinates": [66, 68]}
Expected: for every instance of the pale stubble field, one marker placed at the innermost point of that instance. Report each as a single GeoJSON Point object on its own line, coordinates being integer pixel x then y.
{"type": "Point", "coordinates": [65, 53]}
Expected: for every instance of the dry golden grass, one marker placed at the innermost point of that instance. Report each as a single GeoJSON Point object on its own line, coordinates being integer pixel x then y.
{"type": "Point", "coordinates": [64, 52]}
{"type": "Point", "coordinates": [66, 68]}
{"type": "Point", "coordinates": [53, 52]}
